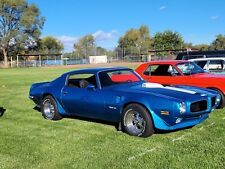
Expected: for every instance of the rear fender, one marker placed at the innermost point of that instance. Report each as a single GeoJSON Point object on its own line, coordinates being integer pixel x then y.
{"type": "Point", "coordinates": [61, 110]}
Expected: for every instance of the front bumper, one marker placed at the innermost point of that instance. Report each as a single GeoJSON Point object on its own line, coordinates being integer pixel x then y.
{"type": "Point", "coordinates": [184, 123]}
{"type": "Point", "coordinates": [35, 100]}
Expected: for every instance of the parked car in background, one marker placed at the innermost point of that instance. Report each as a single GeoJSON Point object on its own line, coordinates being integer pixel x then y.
{"type": "Point", "coordinates": [177, 72]}
{"type": "Point", "coordinates": [211, 64]}
{"type": "Point", "coordinates": [200, 54]}
{"type": "Point", "coordinates": [121, 95]}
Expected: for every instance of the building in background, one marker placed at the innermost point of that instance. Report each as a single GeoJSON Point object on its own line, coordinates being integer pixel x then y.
{"type": "Point", "coordinates": [98, 59]}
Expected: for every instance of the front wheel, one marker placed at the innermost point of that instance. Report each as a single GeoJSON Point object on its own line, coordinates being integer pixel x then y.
{"type": "Point", "coordinates": [49, 109]}
{"type": "Point", "coordinates": [222, 102]}
{"type": "Point", "coordinates": [136, 121]}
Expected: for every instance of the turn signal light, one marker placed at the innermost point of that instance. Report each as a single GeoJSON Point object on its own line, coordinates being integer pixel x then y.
{"type": "Point", "coordinates": [165, 112]}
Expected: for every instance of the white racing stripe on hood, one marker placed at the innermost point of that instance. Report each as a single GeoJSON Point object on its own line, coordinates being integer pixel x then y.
{"type": "Point", "coordinates": [181, 90]}
{"type": "Point", "coordinates": [157, 85]}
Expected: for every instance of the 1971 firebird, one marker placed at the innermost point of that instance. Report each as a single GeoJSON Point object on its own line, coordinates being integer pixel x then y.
{"type": "Point", "coordinates": [121, 95]}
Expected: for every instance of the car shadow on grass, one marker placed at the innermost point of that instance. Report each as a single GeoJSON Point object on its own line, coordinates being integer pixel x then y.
{"type": "Point", "coordinates": [157, 131]}
{"type": "Point", "coordinates": [115, 124]}
{"type": "Point", "coordinates": [2, 111]}
{"type": "Point", "coordinates": [38, 109]}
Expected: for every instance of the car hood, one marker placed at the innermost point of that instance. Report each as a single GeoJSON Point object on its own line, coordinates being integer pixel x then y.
{"type": "Point", "coordinates": [181, 93]}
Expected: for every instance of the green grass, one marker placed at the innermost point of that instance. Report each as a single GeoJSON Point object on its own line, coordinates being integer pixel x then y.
{"type": "Point", "coordinates": [29, 141]}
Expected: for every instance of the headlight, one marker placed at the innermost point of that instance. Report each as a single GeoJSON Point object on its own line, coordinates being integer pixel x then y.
{"type": "Point", "coordinates": [182, 107]}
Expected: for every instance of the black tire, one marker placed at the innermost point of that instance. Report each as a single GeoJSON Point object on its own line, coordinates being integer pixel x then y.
{"type": "Point", "coordinates": [2, 110]}
{"type": "Point", "coordinates": [222, 102]}
{"type": "Point", "coordinates": [136, 121]}
{"type": "Point", "coordinates": [1, 113]}
{"type": "Point", "coordinates": [49, 109]}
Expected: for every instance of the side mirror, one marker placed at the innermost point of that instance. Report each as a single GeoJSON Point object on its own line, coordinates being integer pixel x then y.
{"type": "Point", "coordinates": [91, 87]}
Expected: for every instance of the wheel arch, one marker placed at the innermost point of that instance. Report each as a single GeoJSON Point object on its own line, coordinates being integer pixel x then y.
{"type": "Point", "coordinates": [222, 104]}
{"type": "Point", "coordinates": [215, 88]}
{"type": "Point", "coordinates": [143, 105]}
{"type": "Point", "coordinates": [46, 94]}
{"type": "Point", "coordinates": [60, 107]}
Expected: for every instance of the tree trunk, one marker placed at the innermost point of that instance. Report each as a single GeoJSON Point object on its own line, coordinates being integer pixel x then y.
{"type": "Point", "coordinates": [6, 64]}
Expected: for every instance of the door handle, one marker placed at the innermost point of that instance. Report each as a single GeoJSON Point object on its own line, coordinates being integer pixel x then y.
{"type": "Point", "coordinates": [65, 93]}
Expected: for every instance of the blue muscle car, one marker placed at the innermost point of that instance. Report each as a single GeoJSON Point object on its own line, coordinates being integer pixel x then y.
{"type": "Point", "coordinates": [120, 95]}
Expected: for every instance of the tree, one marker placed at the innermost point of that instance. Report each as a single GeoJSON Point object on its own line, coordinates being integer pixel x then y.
{"type": "Point", "coordinates": [85, 46]}
{"type": "Point", "coordinates": [201, 47]}
{"type": "Point", "coordinates": [167, 40]}
{"type": "Point", "coordinates": [218, 43]}
{"type": "Point", "coordinates": [20, 23]}
{"type": "Point", "coordinates": [144, 40]}
{"type": "Point", "coordinates": [136, 40]}
{"type": "Point", "coordinates": [187, 45]}
{"type": "Point", "coordinates": [50, 44]}
{"type": "Point", "coordinates": [130, 39]}
{"type": "Point", "coordinates": [101, 51]}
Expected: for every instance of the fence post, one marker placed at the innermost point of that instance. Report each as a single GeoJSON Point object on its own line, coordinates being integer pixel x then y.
{"type": "Point", "coordinates": [149, 56]}
{"type": "Point", "coordinates": [40, 60]}
{"type": "Point", "coordinates": [17, 61]}
{"type": "Point", "coordinates": [11, 61]}
{"type": "Point", "coordinates": [61, 59]}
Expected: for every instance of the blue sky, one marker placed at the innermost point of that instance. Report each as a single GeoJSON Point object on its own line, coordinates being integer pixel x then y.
{"type": "Point", "coordinates": [198, 21]}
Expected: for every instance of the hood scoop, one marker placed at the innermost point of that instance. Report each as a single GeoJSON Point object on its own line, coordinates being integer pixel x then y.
{"type": "Point", "coordinates": [151, 85]}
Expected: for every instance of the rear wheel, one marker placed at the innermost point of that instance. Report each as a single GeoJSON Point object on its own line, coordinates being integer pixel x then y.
{"type": "Point", "coordinates": [136, 121]}
{"type": "Point", "coordinates": [49, 109]}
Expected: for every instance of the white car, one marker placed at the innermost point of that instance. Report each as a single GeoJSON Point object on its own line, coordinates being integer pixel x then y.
{"type": "Point", "coordinates": [211, 64]}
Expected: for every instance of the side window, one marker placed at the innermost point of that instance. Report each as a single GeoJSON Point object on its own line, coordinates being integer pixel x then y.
{"type": "Point", "coordinates": [173, 71]}
{"type": "Point", "coordinates": [150, 69]}
{"type": "Point", "coordinates": [81, 80]}
{"type": "Point", "coordinates": [216, 64]}
{"type": "Point", "coordinates": [202, 64]}
{"type": "Point", "coordinates": [161, 70]}
{"type": "Point", "coordinates": [108, 78]}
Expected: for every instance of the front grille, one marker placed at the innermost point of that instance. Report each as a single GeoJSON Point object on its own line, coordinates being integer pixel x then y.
{"type": "Point", "coordinates": [213, 101]}
{"type": "Point", "coordinates": [199, 106]}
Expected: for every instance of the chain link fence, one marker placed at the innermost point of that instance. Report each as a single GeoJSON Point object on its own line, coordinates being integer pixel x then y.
{"type": "Point", "coordinates": [116, 55]}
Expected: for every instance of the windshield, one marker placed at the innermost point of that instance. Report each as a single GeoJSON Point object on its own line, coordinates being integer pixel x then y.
{"type": "Point", "coordinates": [108, 78]}
{"type": "Point", "coordinates": [189, 68]}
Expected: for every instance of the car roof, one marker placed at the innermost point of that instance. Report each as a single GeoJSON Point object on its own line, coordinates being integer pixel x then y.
{"type": "Point", "coordinates": [196, 54]}
{"type": "Point", "coordinates": [96, 70]}
{"type": "Point", "coordinates": [171, 62]}
{"type": "Point", "coordinates": [205, 59]}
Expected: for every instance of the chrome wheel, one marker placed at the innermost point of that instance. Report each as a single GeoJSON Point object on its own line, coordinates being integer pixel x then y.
{"type": "Point", "coordinates": [48, 109]}
{"type": "Point", "coordinates": [134, 122]}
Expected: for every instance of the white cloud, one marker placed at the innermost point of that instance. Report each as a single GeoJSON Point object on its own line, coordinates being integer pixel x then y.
{"type": "Point", "coordinates": [104, 36]}
{"type": "Point", "coordinates": [214, 17]}
{"type": "Point", "coordinates": [68, 42]}
{"type": "Point", "coordinates": [100, 37]}
{"type": "Point", "coordinates": [162, 8]}
{"type": "Point", "coordinates": [67, 39]}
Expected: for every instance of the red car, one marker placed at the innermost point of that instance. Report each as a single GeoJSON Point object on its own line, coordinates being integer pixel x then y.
{"type": "Point", "coordinates": [177, 72]}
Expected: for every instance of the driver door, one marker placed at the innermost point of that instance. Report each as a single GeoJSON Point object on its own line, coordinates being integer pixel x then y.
{"type": "Point", "coordinates": [164, 74]}
{"type": "Point", "coordinates": [85, 100]}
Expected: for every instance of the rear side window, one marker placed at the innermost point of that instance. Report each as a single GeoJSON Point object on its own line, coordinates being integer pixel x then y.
{"type": "Point", "coordinates": [81, 80]}
{"type": "Point", "coordinates": [216, 65]}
